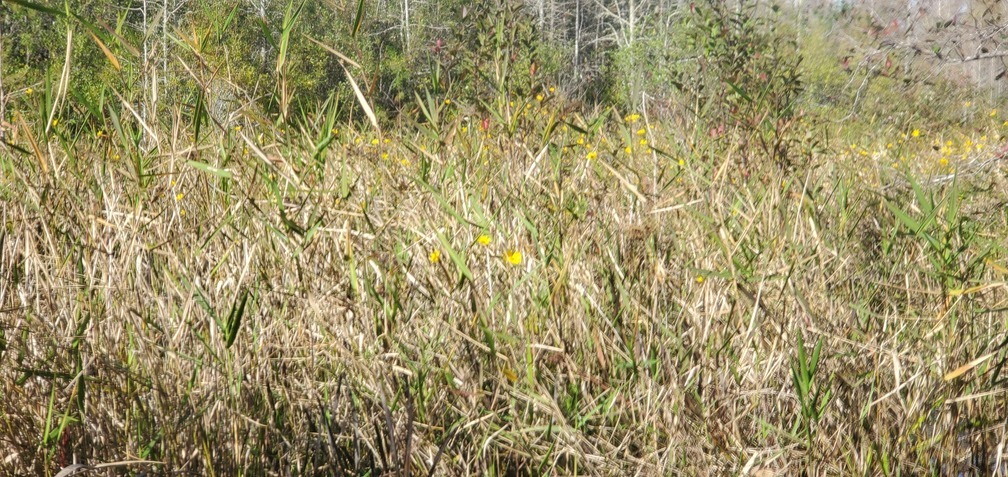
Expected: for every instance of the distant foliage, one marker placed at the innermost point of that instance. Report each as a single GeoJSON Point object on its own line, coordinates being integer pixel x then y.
{"type": "Point", "coordinates": [494, 57]}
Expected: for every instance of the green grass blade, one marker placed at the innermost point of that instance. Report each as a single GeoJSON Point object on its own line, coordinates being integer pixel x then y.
{"type": "Point", "coordinates": [456, 257]}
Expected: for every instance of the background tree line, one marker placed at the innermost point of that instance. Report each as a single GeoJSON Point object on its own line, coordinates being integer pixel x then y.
{"type": "Point", "coordinates": [629, 53]}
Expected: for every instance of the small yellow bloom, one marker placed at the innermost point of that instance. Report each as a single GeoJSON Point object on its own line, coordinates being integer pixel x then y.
{"type": "Point", "coordinates": [29, 91]}
{"type": "Point", "coordinates": [682, 162]}
{"type": "Point", "coordinates": [374, 142]}
{"type": "Point", "coordinates": [335, 131]}
{"type": "Point", "coordinates": [641, 132]}
{"type": "Point", "coordinates": [435, 256]}
{"type": "Point", "coordinates": [55, 122]}
{"type": "Point", "coordinates": [179, 196]}
{"type": "Point", "coordinates": [181, 212]}
{"type": "Point", "coordinates": [628, 150]}
{"type": "Point", "coordinates": [700, 279]}
{"type": "Point", "coordinates": [539, 97]}
{"type": "Point", "coordinates": [592, 155]}
{"type": "Point", "coordinates": [643, 142]}
{"type": "Point", "coordinates": [447, 101]}
{"type": "Point", "coordinates": [993, 113]}
{"type": "Point", "coordinates": [237, 128]}
{"type": "Point", "coordinates": [483, 240]}
{"type": "Point", "coordinates": [915, 133]}
{"type": "Point", "coordinates": [384, 155]}
{"type": "Point", "coordinates": [552, 89]}
{"type": "Point", "coordinates": [464, 129]}
{"type": "Point", "coordinates": [514, 257]}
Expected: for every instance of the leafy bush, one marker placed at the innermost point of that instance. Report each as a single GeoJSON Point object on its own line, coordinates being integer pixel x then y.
{"type": "Point", "coordinates": [496, 58]}
{"type": "Point", "coordinates": [746, 77]}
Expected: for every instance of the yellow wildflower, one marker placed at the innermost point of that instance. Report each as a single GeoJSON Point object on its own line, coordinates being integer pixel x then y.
{"type": "Point", "coordinates": [514, 257]}
{"type": "Point", "coordinates": [916, 133]}
{"type": "Point", "coordinates": [483, 240]}
{"type": "Point", "coordinates": [435, 256]}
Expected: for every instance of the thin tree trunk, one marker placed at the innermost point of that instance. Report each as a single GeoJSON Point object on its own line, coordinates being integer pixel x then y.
{"type": "Point", "coordinates": [406, 33]}
{"type": "Point", "coordinates": [164, 44]}
{"type": "Point", "coordinates": [542, 16]}
{"type": "Point", "coordinates": [144, 72]}
{"type": "Point", "coordinates": [3, 102]}
{"type": "Point", "coordinates": [577, 36]}
{"type": "Point", "coordinates": [552, 30]}
{"type": "Point", "coordinates": [3, 97]}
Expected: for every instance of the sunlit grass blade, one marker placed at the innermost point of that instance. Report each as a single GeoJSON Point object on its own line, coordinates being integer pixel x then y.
{"type": "Point", "coordinates": [221, 173]}
{"type": "Point", "coordinates": [456, 256]}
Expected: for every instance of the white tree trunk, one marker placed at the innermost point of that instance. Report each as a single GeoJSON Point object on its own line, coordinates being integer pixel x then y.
{"type": "Point", "coordinates": [406, 25]}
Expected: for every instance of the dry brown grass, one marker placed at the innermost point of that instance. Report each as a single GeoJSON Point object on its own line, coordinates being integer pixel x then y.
{"type": "Point", "coordinates": [650, 328]}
